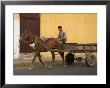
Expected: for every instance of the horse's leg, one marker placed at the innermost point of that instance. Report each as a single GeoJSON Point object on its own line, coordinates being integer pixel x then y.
{"type": "Point", "coordinates": [31, 67]}
{"type": "Point", "coordinates": [62, 56]}
{"type": "Point", "coordinates": [53, 58]}
{"type": "Point", "coordinates": [39, 56]}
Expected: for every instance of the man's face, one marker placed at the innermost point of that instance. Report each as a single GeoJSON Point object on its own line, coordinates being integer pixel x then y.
{"type": "Point", "coordinates": [60, 29]}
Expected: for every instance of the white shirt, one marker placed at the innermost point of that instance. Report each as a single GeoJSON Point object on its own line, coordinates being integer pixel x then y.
{"type": "Point", "coordinates": [62, 35]}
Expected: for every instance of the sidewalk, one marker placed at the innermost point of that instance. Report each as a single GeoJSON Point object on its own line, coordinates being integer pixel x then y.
{"type": "Point", "coordinates": [26, 59]}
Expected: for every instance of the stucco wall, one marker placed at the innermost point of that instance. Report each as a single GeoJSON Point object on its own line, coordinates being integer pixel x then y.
{"type": "Point", "coordinates": [80, 28]}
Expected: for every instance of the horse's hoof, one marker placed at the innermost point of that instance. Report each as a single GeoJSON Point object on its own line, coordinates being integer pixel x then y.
{"type": "Point", "coordinates": [65, 65]}
{"type": "Point", "coordinates": [49, 67]}
{"type": "Point", "coordinates": [30, 68]}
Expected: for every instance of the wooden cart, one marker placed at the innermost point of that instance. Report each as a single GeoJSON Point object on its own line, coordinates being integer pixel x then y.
{"type": "Point", "coordinates": [88, 49]}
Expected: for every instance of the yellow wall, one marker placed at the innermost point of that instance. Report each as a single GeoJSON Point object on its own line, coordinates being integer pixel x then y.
{"type": "Point", "coordinates": [80, 28]}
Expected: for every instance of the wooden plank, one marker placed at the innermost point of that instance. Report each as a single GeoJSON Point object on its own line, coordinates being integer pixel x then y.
{"type": "Point", "coordinates": [78, 48]}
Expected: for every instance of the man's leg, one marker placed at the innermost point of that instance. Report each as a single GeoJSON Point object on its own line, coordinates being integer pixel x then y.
{"type": "Point", "coordinates": [62, 45]}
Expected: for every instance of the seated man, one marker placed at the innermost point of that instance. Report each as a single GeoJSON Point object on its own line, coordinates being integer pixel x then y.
{"type": "Point", "coordinates": [62, 36]}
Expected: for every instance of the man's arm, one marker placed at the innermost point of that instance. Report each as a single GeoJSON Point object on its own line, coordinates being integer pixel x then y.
{"type": "Point", "coordinates": [64, 36]}
{"type": "Point", "coordinates": [58, 36]}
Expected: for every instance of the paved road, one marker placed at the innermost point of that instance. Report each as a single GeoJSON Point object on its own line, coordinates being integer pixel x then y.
{"type": "Point", "coordinates": [78, 68]}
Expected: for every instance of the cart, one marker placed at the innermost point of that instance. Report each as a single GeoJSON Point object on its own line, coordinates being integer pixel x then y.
{"type": "Point", "coordinates": [88, 49]}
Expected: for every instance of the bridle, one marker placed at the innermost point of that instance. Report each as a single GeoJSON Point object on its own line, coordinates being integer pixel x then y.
{"type": "Point", "coordinates": [23, 39]}
{"type": "Point", "coordinates": [37, 43]}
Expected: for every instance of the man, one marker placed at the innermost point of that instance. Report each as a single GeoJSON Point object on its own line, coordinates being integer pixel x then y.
{"type": "Point", "coordinates": [62, 36]}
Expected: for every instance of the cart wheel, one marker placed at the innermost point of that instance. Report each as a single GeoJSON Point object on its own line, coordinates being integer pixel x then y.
{"type": "Point", "coordinates": [69, 58]}
{"type": "Point", "coordinates": [90, 60]}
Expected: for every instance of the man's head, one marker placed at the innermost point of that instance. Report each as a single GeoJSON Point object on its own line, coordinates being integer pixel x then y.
{"type": "Point", "coordinates": [60, 28]}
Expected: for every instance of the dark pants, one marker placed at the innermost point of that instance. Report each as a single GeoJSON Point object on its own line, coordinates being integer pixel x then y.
{"type": "Point", "coordinates": [62, 45]}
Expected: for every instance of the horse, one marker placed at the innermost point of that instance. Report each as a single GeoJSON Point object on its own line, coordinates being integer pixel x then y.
{"type": "Point", "coordinates": [39, 46]}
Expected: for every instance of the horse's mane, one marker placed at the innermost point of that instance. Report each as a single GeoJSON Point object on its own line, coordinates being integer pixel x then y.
{"type": "Point", "coordinates": [41, 39]}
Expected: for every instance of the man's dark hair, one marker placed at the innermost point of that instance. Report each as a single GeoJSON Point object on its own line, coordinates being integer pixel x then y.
{"type": "Point", "coordinates": [59, 26]}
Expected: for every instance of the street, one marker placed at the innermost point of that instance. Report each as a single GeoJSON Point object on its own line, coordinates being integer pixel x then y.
{"type": "Point", "coordinates": [78, 68]}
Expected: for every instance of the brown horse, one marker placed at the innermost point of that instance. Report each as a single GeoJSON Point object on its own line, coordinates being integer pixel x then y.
{"type": "Point", "coordinates": [39, 46]}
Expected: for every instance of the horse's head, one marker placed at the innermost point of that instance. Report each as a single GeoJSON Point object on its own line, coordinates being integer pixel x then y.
{"type": "Point", "coordinates": [26, 36]}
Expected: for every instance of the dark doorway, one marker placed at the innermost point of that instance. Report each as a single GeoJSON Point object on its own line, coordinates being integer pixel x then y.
{"type": "Point", "coordinates": [30, 21]}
